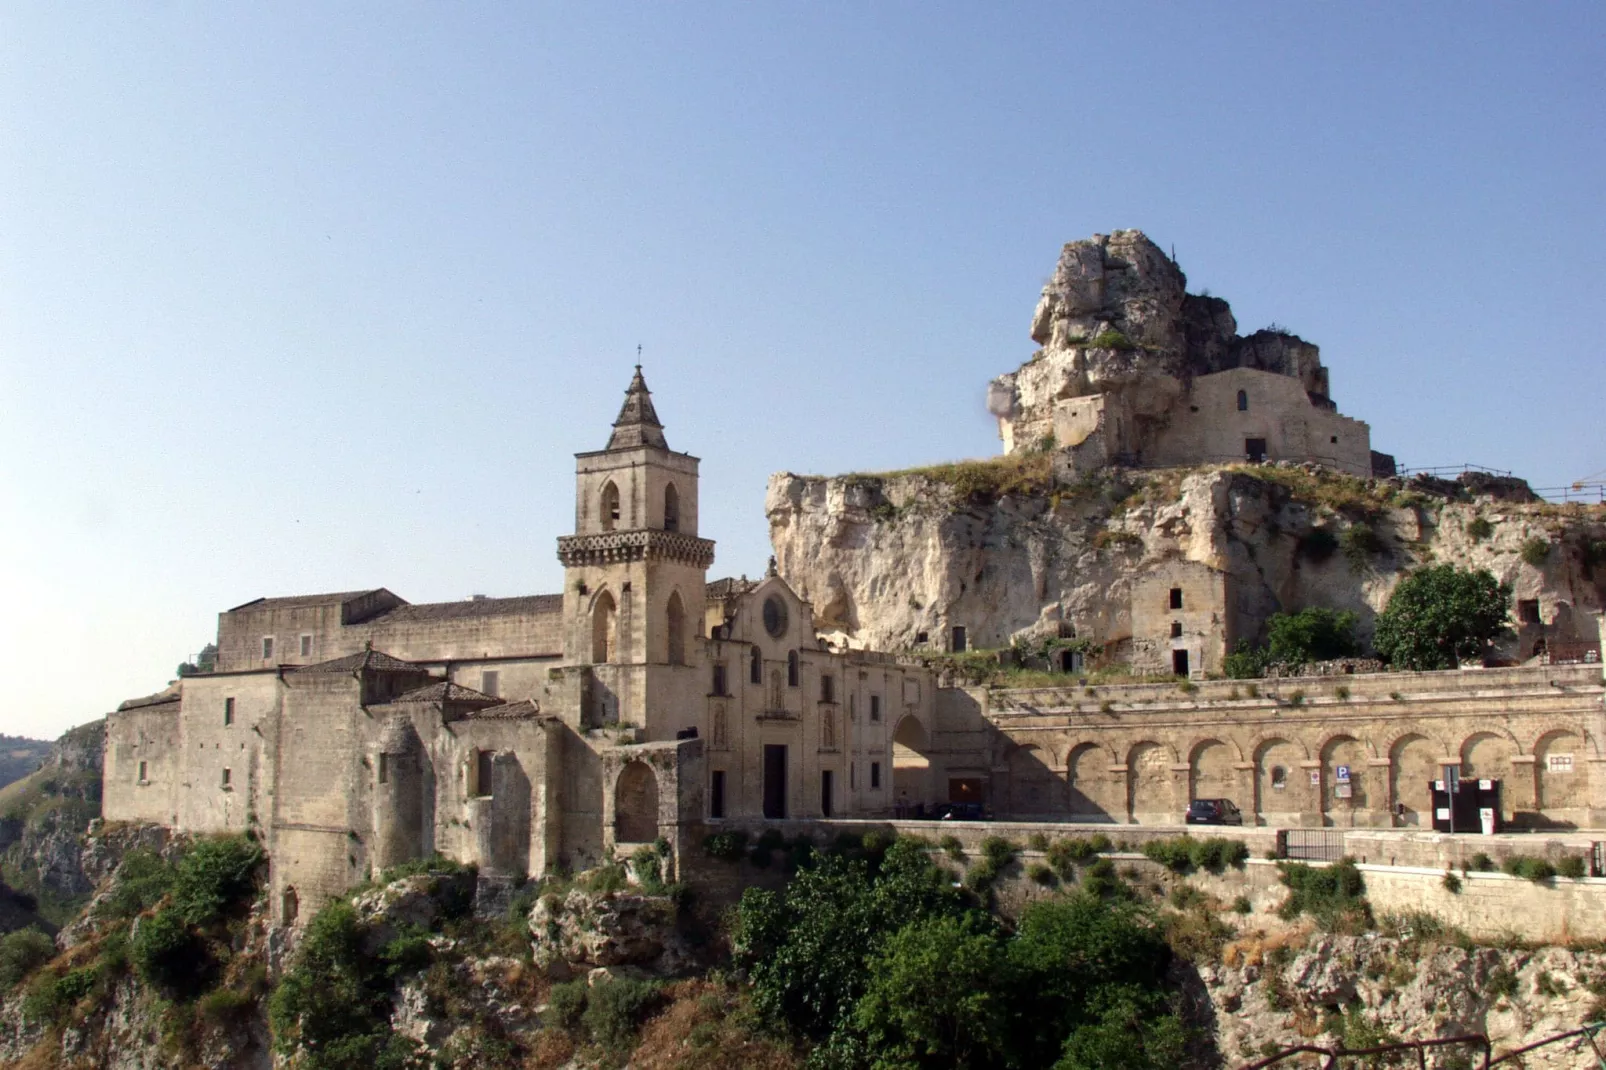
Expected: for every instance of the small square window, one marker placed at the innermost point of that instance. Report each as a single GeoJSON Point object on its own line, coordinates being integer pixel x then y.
{"type": "Point", "coordinates": [1176, 598]}
{"type": "Point", "coordinates": [228, 777]}
{"type": "Point", "coordinates": [875, 776]}
{"type": "Point", "coordinates": [1335, 440]}
{"type": "Point", "coordinates": [142, 771]}
{"type": "Point", "coordinates": [491, 683]}
{"type": "Point", "coordinates": [1528, 610]}
{"type": "Point", "coordinates": [306, 646]}
{"type": "Point", "coordinates": [228, 711]}
{"type": "Point", "coordinates": [1176, 629]}
{"type": "Point", "coordinates": [267, 647]}
{"type": "Point", "coordinates": [875, 707]}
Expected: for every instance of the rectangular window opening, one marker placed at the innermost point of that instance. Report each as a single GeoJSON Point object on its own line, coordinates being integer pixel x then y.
{"type": "Point", "coordinates": [267, 648]}
{"type": "Point", "coordinates": [1176, 629]}
{"type": "Point", "coordinates": [959, 639]}
{"type": "Point", "coordinates": [875, 776]}
{"type": "Point", "coordinates": [491, 683]}
{"type": "Point", "coordinates": [827, 688]}
{"type": "Point", "coordinates": [719, 678]}
{"type": "Point", "coordinates": [1176, 598]}
{"type": "Point", "coordinates": [482, 773]}
{"type": "Point", "coordinates": [306, 646]}
{"type": "Point", "coordinates": [716, 794]}
{"type": "Point", "coordinates": [228, 777]}
{"type": "Point", "coordinates": [875, 707]}
{"type": "Point", "coordinates": [228, 711]}
{"type": "Point", "coordinates": [384, 769]}
{"type": "Point", "coordinates": [1528, 610]}
{"type": "Point", "coordinates": [142, 772]}
{"type": "Point", "coordinates": [826, 778]}
{"type": "Point", "coordinates": [1179, 662]}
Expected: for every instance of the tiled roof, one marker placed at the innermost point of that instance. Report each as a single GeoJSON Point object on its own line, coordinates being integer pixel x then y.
{"type": "Point", "coordinates": [339, 598]}
{"type": "Point", "coordinates": [159, 699]}
{"type": "Point", "coordinates": [508, 711]}
{"type": "Point", "coordinates": [446, 691]}
{"type": "Point", "coordinates": [474, 607]}
{"type": "Point", "coordinates": [372, 660]}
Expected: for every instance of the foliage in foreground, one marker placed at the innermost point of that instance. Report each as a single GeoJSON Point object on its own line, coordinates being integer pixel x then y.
{"type": "Point", "coordinates": [1441, 616]}
{"type": "Point", "coordinates": [1335, 896]}
{"type": "Point", "coordinates": [888, 965]}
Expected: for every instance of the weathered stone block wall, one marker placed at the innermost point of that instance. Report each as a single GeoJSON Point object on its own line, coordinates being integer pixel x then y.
{"type": "Point", "coordinates": [533, 636]}
{"type": "Point", "coordinates": [225, 777]}
{"type": "Point", "coordinates": [151, 735]}
{"type": "Point", "coordinates": [1201, 625]}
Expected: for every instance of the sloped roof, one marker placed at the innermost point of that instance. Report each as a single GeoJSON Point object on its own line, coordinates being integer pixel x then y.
{"type": "Point", "coordinates": [534, 604]}
{"type": "Point", "coordinates": [370, 660]}
{"type": "Point", "coordinates": [507, 711]}
{"type": "Point", "coordinates": [161, 698]}
{"type": "Point", "coordinates": [296, 601]}
{"type": "Point", "coordinates": [446, 691]}
{"type": "Point", "coordinates": [638, 421]}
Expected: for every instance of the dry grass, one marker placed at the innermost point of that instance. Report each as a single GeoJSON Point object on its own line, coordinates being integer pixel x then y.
{"type": "Point", "coordinates": [549, 1050]}
{"type": "Point", "coordinates": [1254, 947]}
{"type": "Point", "coordinates": [706, 1027]}
{"type": "Point", "coordinates": [1020, 474]}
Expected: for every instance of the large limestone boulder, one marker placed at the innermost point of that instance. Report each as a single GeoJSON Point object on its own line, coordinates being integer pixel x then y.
{"type": "Point", "coordinates": [584, 930]}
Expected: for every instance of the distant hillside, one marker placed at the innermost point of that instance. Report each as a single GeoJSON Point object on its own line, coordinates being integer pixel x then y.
{"type": "Point", "coordinates": [42, 817]}
{"type": "Point", "coordinates": [20, 756]}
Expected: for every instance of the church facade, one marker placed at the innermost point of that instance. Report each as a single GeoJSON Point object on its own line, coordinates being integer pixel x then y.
{"type": "Point", "coordinates": [354, 731]}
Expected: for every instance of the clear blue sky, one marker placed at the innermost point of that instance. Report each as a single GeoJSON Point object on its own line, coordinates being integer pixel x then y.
{"type": "Point", "coordinates": [302, 297]}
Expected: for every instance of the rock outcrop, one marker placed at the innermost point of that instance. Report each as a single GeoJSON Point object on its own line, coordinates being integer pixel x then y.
{"type": "Point", "coordinates": [48, 811]}
{"type": "Point", "coordinates": [586, 930]}
{"type": "Point", "coordinates": [893, 562]}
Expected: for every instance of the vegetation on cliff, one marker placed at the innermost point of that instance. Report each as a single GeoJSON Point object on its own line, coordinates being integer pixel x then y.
{"type": "Point", "coordinates": [1441, 616]}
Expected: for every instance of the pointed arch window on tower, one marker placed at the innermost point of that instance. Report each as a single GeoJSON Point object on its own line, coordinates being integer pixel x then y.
{"type": "Point", "coordinates": [671, 508]}
{"type": "Point", "coordinates": [675, 621]}
{"type": "Point", "coordinates": [604, 624]}
{"type": "Point", "coordinates": [610, 506]}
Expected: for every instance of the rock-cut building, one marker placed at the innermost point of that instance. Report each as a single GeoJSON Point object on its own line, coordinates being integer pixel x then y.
{"type": "Point", "coordinates": [354, 731]}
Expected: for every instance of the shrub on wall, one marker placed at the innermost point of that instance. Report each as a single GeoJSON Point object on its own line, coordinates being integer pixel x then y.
{"type": "Point", "coordinates": [1359, 542]}
{"type": "Point", "coordinates": [1312, 634]}
{"type": "Point", "coordinates": [1534, 551]}
{"type": "Point", "coordinates": [1479, 528]}
{"type": "Point", "coordinates": [1440, 616]}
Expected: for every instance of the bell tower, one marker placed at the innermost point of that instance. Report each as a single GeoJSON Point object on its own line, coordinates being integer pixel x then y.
{"type": "Point", "coordinates": [635, 570]}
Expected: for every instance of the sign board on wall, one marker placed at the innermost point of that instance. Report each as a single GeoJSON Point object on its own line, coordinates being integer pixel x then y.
{"type": "Point", "coordinates": [1342, 774]}
{"type": "Point", "coordinates": [1342, 791]}
{"type": "Point", "coordinates": [1315, 778]}
{"type": "Point", "coordinates": [1559, 763]}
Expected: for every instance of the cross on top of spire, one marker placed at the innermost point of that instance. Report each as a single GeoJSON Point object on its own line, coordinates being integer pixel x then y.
{"type": "Point", "coordinates": [638, 421]}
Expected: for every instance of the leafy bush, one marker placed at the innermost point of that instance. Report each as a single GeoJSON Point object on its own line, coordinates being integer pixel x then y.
{"type": "Point", "coordinates": [214, 875]}
{"type": "Point", "coordinates": [608, 877]}
{"type": "Point", "coordinates": [1572, 867]}
{"type": "Point", "coordinates": [1528, 868]}
{"type": "Point", "coordinates": [1245, 662]}
{"type": "Point", "coordinates": [1312, 634]}
{"type": "Point", "coordinates": [952, 847]}
{"type": "Point", "coordinates": [1101, 881]}
{"type": "Point", "coordinates": [999, 851]}
{"type": "Point", "coordinates": [1335, 896]}
{"type": "Point", "coordinates": [1242, 905]}
{"type": "Point", "coordinates": [1113, 339]}
{"type": "Point", "coordinates": [1479, 528]}
{"type": "Point", "coordinates": [21, 953]}
{"type": "Point", "coordinates": [166, 953]}
{"type": "Point", "coordinates": [139, 884]}
{"type": "Point", "coordinates": [1359, 542]}
{"type": "Point", "coordinates": [1182, 854]}
{"type": "Point", "coordinates": [51, 996]}
{"type": "Point", "coordinates": [1042, 874]}
{"type": "Point", "coordinates": [1174, 854]}
{"type": "Point", "coordinates": [1451, 883]}
{"type": "Point", "coordinates": [1440, 616]}
{"type": "Point", "coordinates": [1534, 551]}
{"type": "Point", "coordinates": [1481, 862]}
{"type": "Point", "coordinates": [726, 846]}
{"type": "Point", "coordinates": [615, 1009]}
{"type": "Point", "coordinates": [1064, 854]}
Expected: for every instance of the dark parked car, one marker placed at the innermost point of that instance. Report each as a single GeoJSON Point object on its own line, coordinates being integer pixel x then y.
{"type": "Point", "coordinates": [964, 811]}
{"type": "Point", "coordinates": [1213, 812]}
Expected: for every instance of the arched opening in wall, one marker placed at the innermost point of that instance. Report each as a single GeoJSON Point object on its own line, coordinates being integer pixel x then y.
{"type": "Point", "coordinates": [635, 804]}
{"type": "Point", "coordinates": [289, 906]}
{"type": "Point", "coordinates": [1562, 768]}
{"type": "Point", "coordinates": [604, 629]}
{"type": "Point", "coordinates": [1087, 774]}
{"type": "Point", "coordinates": [911, 768]}
{"type": "Point", "coordinates": [1344, 784]}
{"type": "Point", "coordinates": [1243, 401]}
{"type": "Point", "coordinates": [1282, 784]}
{"type": "Point", "coordinates": [1148, 786]}
{"type": "Point", "coordinates": [1210, 773]}
{"type": "Point", "coordinates": [792, 675]}
{"type": "Point", "coordinates": [1413, 766]}
{"type": "Point", "coordinates": [1034, 787]}
{"type": "Point", "coordinates": [671, 508]}
{"type": "Point", "coordinates": [608, 508]}
{"type": "Point", "coordinates": [675, 625]}
{"type": "Point", "coordinates": [755, 666]}
{"type": "Point", "coordinates": [1487, 756]}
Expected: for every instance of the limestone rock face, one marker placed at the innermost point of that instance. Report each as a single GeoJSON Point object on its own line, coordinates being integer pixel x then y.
{"type": "Point", "coordinates": [606, 929]}
{"type": "Point", "coordinates": [1116, 318]}
{"type": "Point", "coordinates": [1405, 990]}
{"type": "Point", "coordinates": [886, 560]}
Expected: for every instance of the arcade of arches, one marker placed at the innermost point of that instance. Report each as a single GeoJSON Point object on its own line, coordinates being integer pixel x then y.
{"type": "Point", "coordinates": [1333, 758]}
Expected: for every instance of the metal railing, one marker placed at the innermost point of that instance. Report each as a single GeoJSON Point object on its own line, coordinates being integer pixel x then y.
{"type": "Point", "coordinates": [1394, 1054]}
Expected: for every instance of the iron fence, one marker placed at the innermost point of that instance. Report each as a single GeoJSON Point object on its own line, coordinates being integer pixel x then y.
{"type": "Point", "coordinates": [1333, 1058]}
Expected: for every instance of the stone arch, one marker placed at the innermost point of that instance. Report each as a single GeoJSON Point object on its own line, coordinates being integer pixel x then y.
{"type": "Point", "coordinates": [1282, 788]}
{"type": "Point", "coordinates": [1561, 772]}
{"type": "Point", "coordinates": [1087, 780]}
{"type": "Point", "coordinates": [1551, 725]}
{"type": "Point", "coordinates": [671, 508]}
{"type": "Point", "coordinates": [1149, 798]}
{"type": "Point", "coordinates": [1413, 766]}
{"type": "Point", "coordinates": [675, 629]}
{"type": "Point", "coordinates": [1034, 788]}
{"type": "Point", "coordinates": [1210, 771]}
{"type": "Point", "coordinates": [604, 629]}
{"type": "Point", "coordinates": [1487, 755]}
{"type": "Point", "coordinates": [911, 764]}
{"type": "Point", "coordinates": [608, 511]}
{"type": "Point", "coordinates": [1341, 806]}
{"type": "Point", "coordinates": [635, 804]}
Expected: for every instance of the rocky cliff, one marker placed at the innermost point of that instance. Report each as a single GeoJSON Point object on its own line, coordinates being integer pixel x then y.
{"type": "Point", "coordinates": [43, 817]}
{"type": "Point", "coordinates": [1005, 548]}
{"type": "Point", "coordinates": [1115, 318]}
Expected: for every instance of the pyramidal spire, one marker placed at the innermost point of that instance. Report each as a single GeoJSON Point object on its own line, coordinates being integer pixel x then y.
{"type": "Point", "coordinates": [638, 421]}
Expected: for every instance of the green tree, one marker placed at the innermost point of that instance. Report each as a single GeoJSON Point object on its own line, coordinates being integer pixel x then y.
{"type": "Point", "coordinates": [1441, 616]}
{"type": "Point", "coordinates": [1312, 634]}
{"type": "Point", "coordinates": [934, 997]}
{"type": "Point", "coordinates": [205, 661]}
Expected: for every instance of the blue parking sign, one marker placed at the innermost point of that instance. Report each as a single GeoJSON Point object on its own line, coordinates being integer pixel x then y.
{"type": "Point", "coordinates": [1343, 774]}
